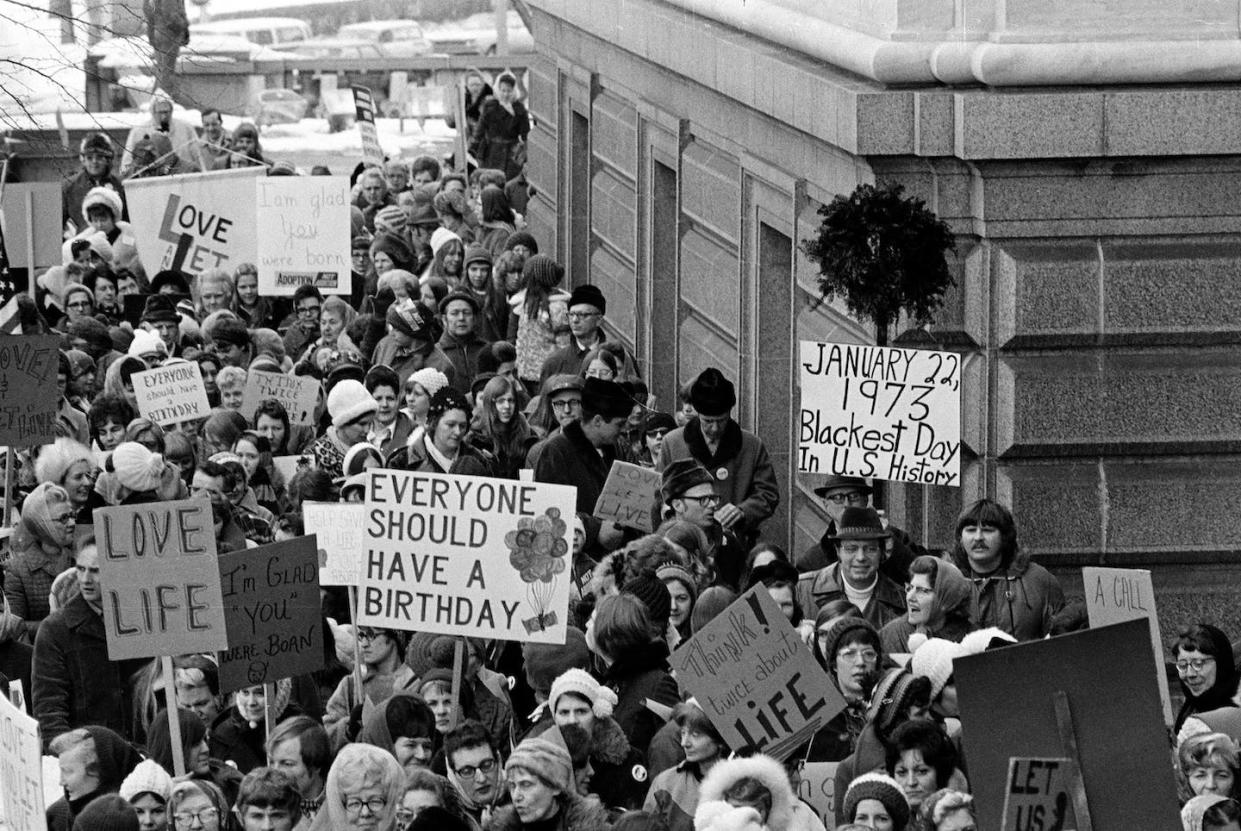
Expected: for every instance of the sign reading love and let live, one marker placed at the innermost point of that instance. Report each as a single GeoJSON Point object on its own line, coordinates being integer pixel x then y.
{"type": "Point", "coordinates": [303, 234]}
{"type": "Point", "coordinates": [338, 528]}
{"type": "Point", "coordinates": [755, 679]}
{"type": "Point", "coordinates": [21, 770]}
{"type": "Point", "coordinates": [28, 397]}
{"type": "Point", "coordinates": [297, 393]}
{"type": "Point", "coordinates": [630, 496]}
{"type": "Point", "coordinates": [271, 613]}
{"type": "Point", "coordinates": [466, 555]}
{"type": "Point", "coordinates": [160, 578]}
{"type": "Point", "coordinates": [880, 412]}
{"type": "Point", "coordinates": [172, 393]}
{"type": "Point", "coordinates": [195, 221]}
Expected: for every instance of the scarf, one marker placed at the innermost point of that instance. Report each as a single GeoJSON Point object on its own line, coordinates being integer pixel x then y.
{"type": "Point", "coordinates": [439, 458]}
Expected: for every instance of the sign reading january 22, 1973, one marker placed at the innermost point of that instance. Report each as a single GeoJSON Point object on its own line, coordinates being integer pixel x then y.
{"type": "Point", "coordinates": [467, 555]}
{"type": "Point", "coordinates": [880, 412]}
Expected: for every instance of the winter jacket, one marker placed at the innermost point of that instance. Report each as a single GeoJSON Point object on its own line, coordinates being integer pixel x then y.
{"type": "Point", "coordinates": [1020, 597]}
{"type": "Point", "coordinates": [463, 353]}
{"type": "Point", "coordinates": [620, 779]}
{"type": "Point", "coordinates": [715, 814]}
{"type": "Point", "coordinates": [73, 193]}
{"type": "Point", "coordinates": [818, 588]}
{"type": "Point", "coordinates": [902, 551]}
{"type": "Point", "coordinates": [674, 796]}
{"type": "Point", "coordinates": [405, 361]}
{"type": "Point", "coordinates": [376, 689]}
{"type": "Point", "coordinates": [232, 739]}
{"type": "Point", "coordinates": [635, 678]}
{"type": "Point", "coordinates": [469, 461]}
{"type": "Point", "coordinates": [535, 337]}
{"type": "Point", "coordinates": [576, 814]}
{"type": "Point", "coordinates": [28, 578]}
{"type": "Point", "coordinates": [568, 458]}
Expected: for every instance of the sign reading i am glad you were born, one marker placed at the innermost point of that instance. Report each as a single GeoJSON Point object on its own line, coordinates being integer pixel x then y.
{"type": "Point", "coordinates": [880, 412]}
{"type": "Point", "coordinates": [172, 393]}
{"type": "Point", "coordinates": [28, 397]}
{"type": "Point", "coordinates": [21, 770]}
{"type": "Point", "coordinates": [467, 555]}
{"type": "Point", "coordinates": [160, 578]}
{"type": "Point", "coordinates": [303, 234]}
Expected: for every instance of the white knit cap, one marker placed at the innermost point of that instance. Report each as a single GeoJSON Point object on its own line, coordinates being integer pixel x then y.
{"type": "Point", "coordinates": [348, 401]}
{"type": "Point", "coordinates": [145, 342]}
{"type": "Point", "coordinates": [440, 236]}
{"type": "Point", "coordinates": [933, 660]}
{"type": "Point", "coordinates": [106, 197]}
{"type": "Point", "coordinates": [136, 467]}
{"type": "Point", "coordinates": [430, 379]}
{"type": "Point", "coordinates": [580, 682]}
{"type": "Point", "coordinates": [147, 777]}
{"type": "Point", "coordinates": [976, 643]}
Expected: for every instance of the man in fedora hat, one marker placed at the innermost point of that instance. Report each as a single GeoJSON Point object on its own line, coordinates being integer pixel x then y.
{"type": "Point", "coordinates": [860, 546]}
{"type": "Point", "coordinates": [688, 489]}
{"type": "Point", "coordinates": [839, 493]}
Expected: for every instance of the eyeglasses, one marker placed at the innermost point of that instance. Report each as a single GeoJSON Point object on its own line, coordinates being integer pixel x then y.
{"type": "Point", "coordinates": [1196, 664]}
{"type": "Point", "coordinates": [405, 816]}
{"type": "Point", "coordinates": [709, 499]}
{"type": "Point", "coordinates": [367, 634]}
{"type": "Point", "coordinates": [868, 656]}
{"type": "Point", "coordinates": [308, 311]}
{"type": "Point", "coordinates": [80, 304]}
{"type": "Point", "coordinates": [657, 434]}
{"type": "Point", "coordinates": [582, 315]}
{"type": "Point", "coordinates": [468, 771]}
{"type": "Point", "coordinates": [856, 499]}
{"type": "Point", "coordinates": [204, 816]}
{"type": "Point", "coordinates": [567, 404]}
{"type": "Point", "coordinates": [375, 804]}
{"type": "Point", "coordinates": [67, 519]}
{"type": "Point", "coordinates": [920, 591]}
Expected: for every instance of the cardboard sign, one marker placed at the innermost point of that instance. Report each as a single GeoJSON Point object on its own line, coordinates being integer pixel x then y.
{"type": "Point", "coordinates": [297, 393]}
{"type": "Point", "coordinates": [1010, 693]}
{"type": "Point", "coordinates": [21, 770]}
{"type": "Point", "coordinates": [364, 108]}
{"type": "Point", "coordinates": [629, 496]}
{"type": "Point", "coordinates": [1115, 595]}
{"type": "Point", "coordinates": [818, 790]}
{"type": "Point", "coordinates": [28, 396]}
{"type": "Point", "coordinates": [195, 221]}
{"type": "Point", "coordinates": [161, 580]}
{"type": "Point", "coordinates": [303, 234]}
{"type": "Point", "coordinates": [880, 412]}
{"type": "Point", "coordinates": [32, 214]}
{"type": "Point", "coordinates": [288, 466]}
{"type": "Point", "coordinates": [1037, 796]}
{"type": "Point", "coordinates": [172, 394]}
{"type": "Point", "coordinates": [271, 612]}
{"type": "Point", "coordinates": [342, 543]}
{"type": "Point", "coordinates": [755, 679]}
{"type": "Point", "coordinates": [467, 555]}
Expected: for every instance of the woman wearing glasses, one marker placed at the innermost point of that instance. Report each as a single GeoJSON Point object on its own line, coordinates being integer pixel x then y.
{"type": "Point", "coordinates": [938, 603]}
{"type": "Point", "coordinates": [383, 653]}
{"type": "Point", "coordinates": [42, 547]}
{"type": "Point", "coordinates": [198, 805]}
{"type": "Point", "coordinates": [847, 646]}
{"type": "Point", "coordinates": [363, 791]}
{"type": "Point", "coordinates": [1208, 674]}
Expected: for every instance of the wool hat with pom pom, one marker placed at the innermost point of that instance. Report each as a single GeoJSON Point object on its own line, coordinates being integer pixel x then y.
{"type": "Point", "coordinates": [884, 789]}
{"type": "Point", "coordinates": [137, 468]}
{"type": "Point", "coordinates": [579, 682]}
{"type": "Point", "coordinates": [933, 659]}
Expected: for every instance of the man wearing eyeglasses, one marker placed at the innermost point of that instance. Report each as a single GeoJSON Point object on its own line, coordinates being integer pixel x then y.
{"type": "Point", "coordinates": [587, 306]}
{"type": "Point", "coordinates": [839, 493]}
{"type": "Point", "coordinates": [302, 327]}
{"type": "Point", "coordinates": [688, 489]}
{"type": "Point", "coordinates": [474, 768]}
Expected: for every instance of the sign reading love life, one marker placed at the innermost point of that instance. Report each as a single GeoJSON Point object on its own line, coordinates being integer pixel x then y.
{"type": "Point", "coordinates": [466, 555]}
{"type": "Point", "coordinates": [880, 412]}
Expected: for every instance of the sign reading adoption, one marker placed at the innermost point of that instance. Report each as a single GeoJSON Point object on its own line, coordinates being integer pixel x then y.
{"type": "Point", "coordinates": [1037, 795]}
{"type": "Point", "coordinates": [298, 393]}
{"type": "Point", "coordinates": [881, 412]}
{"type": "Point", "coordinates": [755, 679]}
{"type": "Point", "coordinates": [21, 770]}
{"type": "Point", "coordinates": [172, 393]}
{"type": "Point", "coordinates": [467, 555]}
{"type": "Point", "coordinates": [161, 579]}
{"type": "Point", "coordinates": [338, 527]}
{"type": "Point", "coordinates": [193, 222]}
{"type": "Point", "coordinates": [1115, 595]}
{"type": "Point", "coordinates": [271, 613]}
{"type": "Point", "coordinates": [303, 234]}
{"type": "Point", "coordinates": [28, 397]}
{"type": "Point", "coordinates": [629, 496]}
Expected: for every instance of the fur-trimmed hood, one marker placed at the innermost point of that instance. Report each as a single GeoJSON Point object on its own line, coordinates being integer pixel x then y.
{"type": "Point", "coordinates": [608, 742]}
{"type": "Point", "coordinates": [763, 768]}
{"type": "Point", "coordinates": [580, 815]}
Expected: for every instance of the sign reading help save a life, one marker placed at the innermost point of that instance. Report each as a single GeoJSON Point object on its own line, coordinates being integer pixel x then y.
{"type": "Point", "coordinates": [467, 555]}
{"type": "Point", "coordinates": [28, 397]}
{"type": "Point", "coordinates": [297, 393]}
{"type": "Point", "coordinates": [630, 496]}
{"type": "Point", "coordinates": [271, 612]}
{"type": "Point", "coordinates": [172, 393]}
{"type": "Point", "coordinates": [755, 679]}
{"type": "Point", "coordinates": [303, 234]}
{"type": "Point", "coordinates": [880, 412]}
{"type": "Point", "coordinates": [338, 527]}
{"type": "Point", "coordinates": [21, 770]}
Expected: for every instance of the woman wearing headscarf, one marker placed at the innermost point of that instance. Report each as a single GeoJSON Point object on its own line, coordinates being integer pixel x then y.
{"type": "Point", "coordinates": [363, 792]}
{"type": "Point", "coordinates": [93, 761]}
{"type": "Point", "coordinates": [939, 604]}
{"type": "Point", "coordinates": [42, 547]}
{"type": "Point", "coordinates": [198, 799]}
{"type": "Point", "coordinates": [1205, 664]}
{"type": "Point", "coordinates": [71, 465]}
{"type": "Point", "coordinates": [404, 726]}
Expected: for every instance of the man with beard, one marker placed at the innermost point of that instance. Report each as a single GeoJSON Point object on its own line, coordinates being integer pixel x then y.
{"type": "Point", "coordinates": [216, 482]}
{"type": "Point", "coordinates": [96, 155]}
{"type": "Point", "coordinates": [855, 576]}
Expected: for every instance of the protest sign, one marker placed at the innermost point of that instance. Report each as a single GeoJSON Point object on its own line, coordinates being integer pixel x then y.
{"type": "Point", "coordinates": [32, 227]}
{"type": "Point", "coordinates": [303, 234]}
{"type": "Point", "coordinates": [755, 679]}
{"type": "Point", "coordinates": [288, 466]}
{"type": "Point", "coordinates": [1037, 795]}
{"type": "Point", "coordinates": [467, 555]}
{"type": "Point", "coordinates": [193, 222]}
{"type": "Point", "coordinates": [160, 578]}
{"type": "Point", "coordinates": [630, 496]}
{"type": "Point", "coordinates": [28, 397]}
{"type": "Point", "coordinates": [172, 393]}
{"type": "Point", "coordinates": [817, 789]}
{"type": "Point", "coordinates": [1010, 694]}
{"type": "Point", "coordinates": [21, 770]}
{"type": "Point", "coordinates": [880, 412]}
{"type": "Point", "coordinates": [297, 393]}
{"type": "Point", "coordinates": [364, 109]}
{"type": "Point", "coordinates": [1115, 595]}
{"type": "Point", "coordinates": [271, 613]}
{"type": "Point", "coordinates": [342, 543]}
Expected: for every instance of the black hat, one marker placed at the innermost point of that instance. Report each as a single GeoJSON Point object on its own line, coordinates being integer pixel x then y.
{"type": "Point", "coordinates": [97, 143]}
{"type": "Point", "coordinates": [658, 421]}
{"type": "Point", "coordinates": [860, 524]}
{"type": "Point", "coordinates": [159, 307]}
{"type": "Point", "coordinates": [589, 295]}
{"type": "Point", "coordinates": [170, 277]}
{"type": "Point", "coordinates": [468, 297]}
{"type": "Point", "coordinates": [681, 475]}
{"type": "Point", "coordinates": [109, 812]}
{"type": "Point", "coordinates": [435, 818]}
{"type": "Point", "coordinates": [521, 238]}
{"type": "Point", "coordinates": [606, 398]}
{"type": "Point", "coordinates": [231, 331]}
{"type": "Point", "coordinates": [654, 596]}
{"type": "Point", "coordinates": [712, 394]}
{"type": "Point", "coordinates": [360, 243]}
{"type": "Point", "coordinates": [834, 482]}
{"type": "Point", "coordinates": [561, 383]}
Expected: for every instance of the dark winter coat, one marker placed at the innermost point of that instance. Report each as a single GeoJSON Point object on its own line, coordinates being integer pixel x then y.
{"type": "Point", "coordinates": [1020, 597]}
{"type": "Point", "coordinates": [469, 462]}
{"type": "Point", "coordinates": [902, 552]}
{"type": "Point", "coordinates": [818, 588]}
{"type": "Point", "coordinates": [74, 190]}
{"type": "Point", "coordinates": [620, 780]}
{"type": "Point", "coordinates": [232, 739]}
{"type": "Point", "coordinates": [635, 678]}
{"type": "Point", "coordinates": [497, 135]}
{"type": "Point", "coordinates": [463, 352]}
{"type": "Point", "coordinates": [568, 458]}
{"type": "Point", "coordinates": [576, 814]}
{"type": "Point", "coordinates": [674, 796]}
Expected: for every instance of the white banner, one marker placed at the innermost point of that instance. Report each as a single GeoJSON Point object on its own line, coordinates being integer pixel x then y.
{"type": "Point", "coordinates": [303, 234]}
{"type": "Point", "coordinates": [171, 394]}
{"type": "Point", "coordinates": [21, 770]}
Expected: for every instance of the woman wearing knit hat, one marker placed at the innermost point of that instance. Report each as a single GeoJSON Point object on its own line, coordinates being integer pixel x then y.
{"type": "Point", "coordinates": [847, 646]}
{"type": "Point", "coordinates": [413, 330]}
{"type": "Point", "coordinates": [144, 476]}
{"type": "Point", "coordinates": [418, 389]}
{"type": "Point", "coordinates": [541, 309]}
{"type": "Point", "coordinates": [682, 591]}
{"type": "Point", "coordinates": [447, 264]}
{"type": "Point", "coordinates": [876, 800]}
{"type": "Point", "coordinates": [939, 604]}
{"type": "Point", "coordinates": [351, 408]}
{"type": "Point", "coordinates": [42, 547]}
{"type": "Point", "coordinates": [443, 447]}
{"type": "Point", "coordinates": [540, 781]}
{"type": "Point", "coordinates": [933, 659]}
{"type": "Point", "coordinates": [71, 465]}
{"type": "Point", "coordinates": [147, 789]}
{"type": "Point", "coordinates": [363, 791]}
{"type": "Point", "coordinates": [948, 810]}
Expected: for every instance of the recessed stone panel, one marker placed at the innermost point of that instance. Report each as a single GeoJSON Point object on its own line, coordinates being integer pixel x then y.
{"type": "Point", "coordinates": [613, 211]}
{"type": "Point", "coordinates": [1181, 287]}
{"type": "Point", "coordinates": [1045, 289]}
{"type": "Point", "coordinates": [1174, 505]}
{"type": "Point", "coordinates": [1056, 506]}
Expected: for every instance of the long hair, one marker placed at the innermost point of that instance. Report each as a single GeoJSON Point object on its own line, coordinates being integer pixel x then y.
{"type": "Point", "coordinates": [989, 512]}
{"type": "Point", "coordinates": [508, 440]}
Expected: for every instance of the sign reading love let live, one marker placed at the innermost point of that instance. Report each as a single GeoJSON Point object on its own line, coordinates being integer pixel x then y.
{"type": "Point", "coordinates": [193, 222]}
{"type": "Point", "coordinates": [338, 527]}
{"type": "Point", "coordinates": [630, 496]}
{"type": "Point", "coordinates": [467, 555]}
{"type": "Point", "coordinates": [160, 578]}
{"type": "Point", "coordinates": [297, 393]}
{"type": "Point", "coordinates": [271, 613]}
{"type": "Point", "coordinates": [755, 679]}
{"type": "Point", "coordinates": [28, 397]}
{"type": "Point", "coordinates": [21, 770]}
{"type": "Point", "coordinates": [303, 234]}
{"type": "Point", "coordinates": [172, 393]}
{"type": "Point", "coordinates": [880, 412]}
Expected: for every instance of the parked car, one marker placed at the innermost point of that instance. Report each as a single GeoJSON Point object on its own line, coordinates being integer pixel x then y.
{"type": "Point", "coordinates": [397, 38]}
{"type": "Point", "coordinates": [476, 35]}
{"type": "Point", "coordinates": [265, 31]}
{"type": "Point", "coordinates": [336, 48]}
{"type": "Point", "coordinates": [276, 106]}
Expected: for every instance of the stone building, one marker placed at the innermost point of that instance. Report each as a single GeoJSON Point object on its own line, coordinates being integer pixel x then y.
{"type": "Point", "coordinates": [1087, 158]}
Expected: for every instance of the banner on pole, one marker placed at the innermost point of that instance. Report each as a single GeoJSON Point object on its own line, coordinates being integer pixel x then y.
{"type": "Point", "coordinates": [338, 527]}
{"type": "Point", "coordinates": [28, 390]}
{"type": "Point", "coordinates": [364, 107]}
{"type": "Point", "coordinates": [303, 234]}
{"type": "Point", "coordinates": [299, 394]}
{"type": "Point", "coordinates": [172, 393]}
{"type": "Point", "coordinates": [21, 770]}
{"type": "Point", "coordinates": [880, 412]}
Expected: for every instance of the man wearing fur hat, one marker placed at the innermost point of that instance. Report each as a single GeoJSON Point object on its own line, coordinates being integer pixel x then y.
{"type": "Point", "coordinates": [688, 490]}
{"type": "Point", "coordinates": [744, 477]}
{"type": "Point", "coordinates": [96, 154]}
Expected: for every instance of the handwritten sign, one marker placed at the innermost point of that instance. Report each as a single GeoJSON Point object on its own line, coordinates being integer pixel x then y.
{"type": "Point", "coordinates": [467, 555]}
{"type": "Point", "coordinates": [338, 526]}
{"type": "Point", "coordinates": [195, 221]}
{"type": "Point", "coordinates": [1037, 796]}
{"type": "Point", "coordinates": [881, 412]}
{"type": "Point", "coordinates": [288, 466]}
{"type": "Point", "coordinates": [364, 109]}
{"type": "Point", "coordinates": [303, 234]}
{"type": "Point", "coordinates": [21, 770]}
{"type": "Point", "coordinates": [1114, 595]}
{"type": "Point", "coordinates": [817, 789]}
{"type": "Point", "coordinates": [629, 496]}
{"type": "Point", "coordinates": [28, 398]}
{"type": "Point", "coordinates": [160, 577]}
{"type": "Point", "coordinates": [757, 682]}
{"type": "Point", "coordinates": [297, 393]}
{"type": "Point", "coordinates": [172, 394]}
{"type": "Point", "coordinates": [271, 613]}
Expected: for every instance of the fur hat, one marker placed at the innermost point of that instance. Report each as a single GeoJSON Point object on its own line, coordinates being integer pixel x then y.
{"type": "Point", "coordinates": [654, 596]}
{"type": "Point", "coordinates": [933, 659]}
{"type": "Point", "coordinates": [607, 398]}
{"type": "Point", "coordinates": [722, 816]}
{"type": "Point", "coordinates": [881, 787]}
{"type": "Point", "coordinates": [104, 197]}
{"type": "Point", "coordinates": [546, 662]}
{"type": "Point", "coordinates": [681, 475]}
{"type": "Point", "coordinates": [766, 771]}
{"type": "Point", "coordinates": [546, 759]}
{"type": "Point", "coordinates": [712, 394]}
{"type": "Point", "coordinates": [981, 640]}
{"type": "Point", "coordinates": [521, 238]}
{"type": "Point", "coordinates": [170, 277]}
{"type": "Point", "coordinates": [145, 342]}
{"type": "Point", "coordinates": [1191, 814]}
{"type": "Point", "coordinates": [109, 812]}
{"type": "Point", "coordinates": [147, 777]}
{"type": "Point", "coordinates": [430, 379]}
{"type": "Point", "coordinates": [397, 249]}
{"type": "Point", "coordinates": [348, 401]}
{"type": "Point", "coordinates": [97, 143]}
{"type": "Point", "coordinates": [590, 296]}
{"type": "Point", "coordinates": [390, 219]}
{"type": "Point", "coordinates": [580, 682]}
{"type": "Point", "coordinates": [137, 468]}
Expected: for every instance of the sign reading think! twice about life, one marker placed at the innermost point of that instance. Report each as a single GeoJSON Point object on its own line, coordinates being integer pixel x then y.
{"type": "Point", "coordinates": [880, 412]}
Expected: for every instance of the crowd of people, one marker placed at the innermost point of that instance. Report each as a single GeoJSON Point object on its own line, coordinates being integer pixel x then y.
{"type": "Point", "coordinates": [461, 348]}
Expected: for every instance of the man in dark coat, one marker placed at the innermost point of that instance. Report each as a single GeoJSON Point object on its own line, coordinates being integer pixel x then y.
{"type": "Point", "coordinates": [503, 125]}
{"type": "Point", "coordinates": [96, 154]}
{"type": "Point", "coordinates": [460, 341]}
{"type": "Point", "coordinates": [587, 306]}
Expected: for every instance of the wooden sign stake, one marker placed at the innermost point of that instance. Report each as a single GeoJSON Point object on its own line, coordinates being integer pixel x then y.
{"type": "Point", "coordinates": [174, 721]}
{"type": "Point", "coordinates": [458, 673]}
{"type": "Point", "coordinates": [1068, 741]}
{"type": "Point", "coordinates": [269, 707]}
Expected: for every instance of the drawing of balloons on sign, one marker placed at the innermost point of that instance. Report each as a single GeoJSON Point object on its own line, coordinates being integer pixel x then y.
{"type": "Point", "coordinates": [537, 549]}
